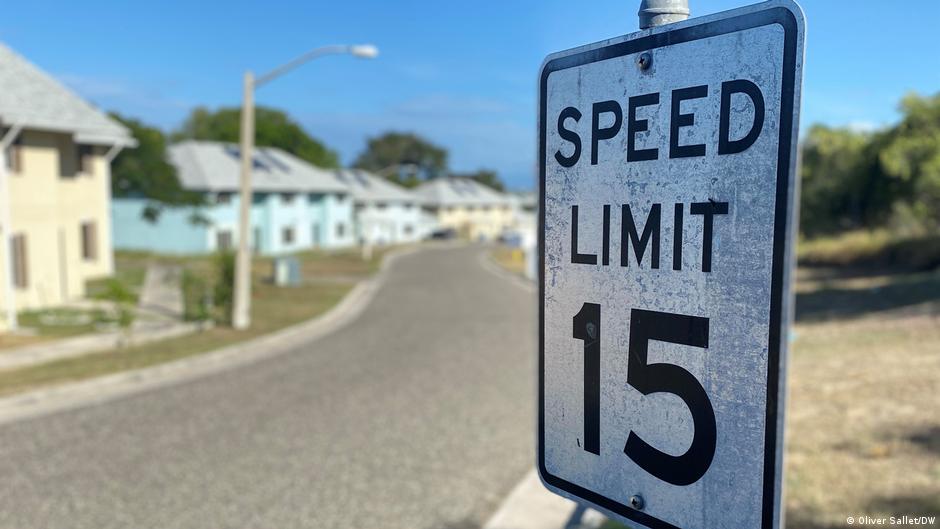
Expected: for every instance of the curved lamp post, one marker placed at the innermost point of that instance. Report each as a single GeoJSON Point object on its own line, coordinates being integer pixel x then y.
{"type": "Point", "coordinates": [241, 317]}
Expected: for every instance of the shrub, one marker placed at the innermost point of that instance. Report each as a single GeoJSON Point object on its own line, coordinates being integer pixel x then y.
{"type": "Point", "coordinates": [873, 249]}
{"type": "Point", "coordinates": [196, 298]}
{"type": "Point", "coordinates": [224, 286]}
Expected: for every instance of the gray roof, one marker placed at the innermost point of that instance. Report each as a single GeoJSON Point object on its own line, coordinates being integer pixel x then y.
{"type": "Point", "coordinates": [460, 192]}
{"type": "Point", "coordinates": [524, 199]}
{"type": "Point", "coordinates": [31, 98]}
{"type": "Point", "coordinates": [368, 188]}
{"type": "Point", "coordinates": [216, 166]}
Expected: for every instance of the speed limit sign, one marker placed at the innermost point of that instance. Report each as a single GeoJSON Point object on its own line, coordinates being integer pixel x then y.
{"type": "Point", "coordinates": [667, 163]}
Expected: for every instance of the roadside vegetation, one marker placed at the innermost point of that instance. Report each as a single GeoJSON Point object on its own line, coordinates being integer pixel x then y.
{"type": "Point", "coordinates": [327, 278]}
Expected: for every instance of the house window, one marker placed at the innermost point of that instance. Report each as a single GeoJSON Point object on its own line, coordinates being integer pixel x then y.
{"type": "Point", "coordinates": [86, 159]}
{"type": "Point", "coordinates": [340, 197]}
{"type": "Point", "coordinates": [14, 156]}
{"type": "Point", "coordinates": [287, 198]}
{"type": "Point", "coordinates": [380, 205]}
{"type": "Point", "coordinates": [408, 229]}
{"type": "Point", "coordinates": [89, 241]}
{"type": "Point", "coordinates": [223, 198]}
{"type": "Point", "coordinates": [340, 230]}
{"type": "Point", "coordinates": [287, 235]}
{"type": "Point", "coordinates": [223, 240]}
{"type": "Point", "coordinates": [20, 268]}
{"type": "Point", "coordinates": [67, 160]}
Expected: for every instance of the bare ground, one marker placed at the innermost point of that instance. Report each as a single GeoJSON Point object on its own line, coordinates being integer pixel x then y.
{"type": "Point", "coordinates": [864, 410]}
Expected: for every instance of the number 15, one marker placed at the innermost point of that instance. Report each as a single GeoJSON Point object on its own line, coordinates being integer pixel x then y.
{"type": "Point", "coordinates": [646, 326]}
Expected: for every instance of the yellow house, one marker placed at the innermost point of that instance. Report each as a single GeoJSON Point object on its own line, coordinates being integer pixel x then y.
{"type": "Point", "coordinates": [55, 189]}
{"type": "Point", "coordinates": [475, 211]}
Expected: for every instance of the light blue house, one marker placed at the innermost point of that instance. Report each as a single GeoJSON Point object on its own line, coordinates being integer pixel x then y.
{"type": "Point", "coordinates": [384, 212]}
{"type": "Point", "coordinates": [296, 206]}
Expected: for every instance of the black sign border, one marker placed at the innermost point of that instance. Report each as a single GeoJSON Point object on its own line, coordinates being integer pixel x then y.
{"type": "Point", "coordinates": [775, 15]}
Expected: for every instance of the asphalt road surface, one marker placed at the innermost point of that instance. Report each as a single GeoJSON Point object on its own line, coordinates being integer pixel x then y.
{"type": "Point", "coordinates": [418, 415]}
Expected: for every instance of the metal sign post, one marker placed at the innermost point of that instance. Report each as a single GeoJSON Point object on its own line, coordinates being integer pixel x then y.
{"type": "Point", "coordinates": [667, 162]}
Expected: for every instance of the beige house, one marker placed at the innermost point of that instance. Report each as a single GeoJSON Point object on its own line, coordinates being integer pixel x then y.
{"type": "Point", "coordinates": [55, 189]}
{"type": "Point", "coordinates": [475, 211]}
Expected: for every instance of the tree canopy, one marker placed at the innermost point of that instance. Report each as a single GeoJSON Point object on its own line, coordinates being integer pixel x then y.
{"type": "Point", "coordinates": [910, 157]}
{"type": "Point", "coordinates": [145, 172]}
{"type": "Point", "coordinates": [273, 128]}
{"type": "Point", "coordinates": [854, 179]}
{"type": "Point", "coordinates": [403, 157]}
{"type": "Point", "coordinates": [409, 159]}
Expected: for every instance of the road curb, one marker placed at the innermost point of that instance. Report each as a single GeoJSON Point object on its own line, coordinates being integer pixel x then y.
{"type": "Point", "coordinates": [488, 263]}
{"type": "Point", "coordinates": [531, 506]}
{"type": "Point", "coordinates": [97, 390]}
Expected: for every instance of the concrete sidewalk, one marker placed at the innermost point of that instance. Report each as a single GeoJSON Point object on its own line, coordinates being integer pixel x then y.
{"type": "Point", "coordinates": [161, 298]}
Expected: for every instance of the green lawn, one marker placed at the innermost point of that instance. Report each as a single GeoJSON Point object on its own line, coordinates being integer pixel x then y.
{"type": "Point", "coordinates": [328, 277]}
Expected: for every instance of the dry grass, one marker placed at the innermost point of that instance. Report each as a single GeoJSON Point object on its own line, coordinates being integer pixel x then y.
{"type": "Point", "coordinates": [881, 248]}
{"type": "Point", "coordinates": [864, 410]}
{"type": "Point", "coordinates": [511, 259]}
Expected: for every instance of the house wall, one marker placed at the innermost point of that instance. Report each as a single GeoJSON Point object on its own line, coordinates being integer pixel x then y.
{"type": "Point", "coordinates": [293, 214]}
{"type": "Point", "coordinates": [172, 233]}
{"type": "Point", "coordinates": [50, 198]}
{"type": "Point", "coordinates": [317, 219]}
{"type": "Point", "coordinates": [270, 214]}
{"type": "Point", "coordinates": [476, 222]}
{"type": "Point", "coordinates": [396, 223]}
{"type": "Point", "coordinates": [339, 230]}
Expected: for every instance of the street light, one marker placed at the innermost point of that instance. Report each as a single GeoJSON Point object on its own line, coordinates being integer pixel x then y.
{"type": "Point", "coordinates": [241, 317]}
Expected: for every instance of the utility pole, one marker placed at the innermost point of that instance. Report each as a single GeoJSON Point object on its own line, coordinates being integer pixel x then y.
{"type": "Point", "coordinates": [241, 311]}
{"type": "Point", "coordinates": [655, 13]}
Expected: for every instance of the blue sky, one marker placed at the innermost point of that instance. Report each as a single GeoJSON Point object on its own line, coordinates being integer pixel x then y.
{"type": "Point", "coordinates": [460, 73]}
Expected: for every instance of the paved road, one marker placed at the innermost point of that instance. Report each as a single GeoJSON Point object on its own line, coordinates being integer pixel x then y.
{"type": "Point", "coordinates": [417, 415]}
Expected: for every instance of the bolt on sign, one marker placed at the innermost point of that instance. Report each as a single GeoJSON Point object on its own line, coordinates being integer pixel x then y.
{"type": "Point", "coordinates": [668, 192]}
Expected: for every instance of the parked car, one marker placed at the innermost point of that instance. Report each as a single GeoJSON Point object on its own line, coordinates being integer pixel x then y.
{"type": "Point", "coordinates": [443, 234]}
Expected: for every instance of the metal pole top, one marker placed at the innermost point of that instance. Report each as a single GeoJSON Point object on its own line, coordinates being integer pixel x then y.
{"type": "Point", "coordinates": [659, 12]}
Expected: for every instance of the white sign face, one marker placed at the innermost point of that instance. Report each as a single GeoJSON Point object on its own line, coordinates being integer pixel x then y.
{"type": "Point", "coordinates": [667, 162]}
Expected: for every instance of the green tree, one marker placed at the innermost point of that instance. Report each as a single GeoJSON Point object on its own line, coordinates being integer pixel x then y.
{"type": "Point", "coordinates": [487, 177]}
{"type": "Point", "coordinates": [840, 181]}
{"type": "Point", "coordinates": [910, 157]}
{"type": "Point", "coordinates": [145, 172]}
{"type": "Point", "coordinates": [273, 128]}
{"type": "Point", "coordinates": [403, 157]}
